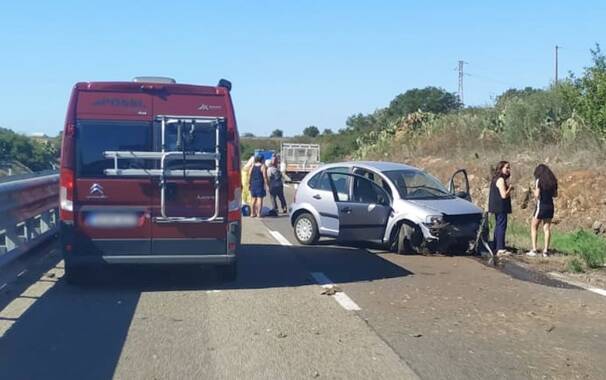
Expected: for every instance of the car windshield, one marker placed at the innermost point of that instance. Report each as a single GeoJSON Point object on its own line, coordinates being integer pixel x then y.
{"type": "Point", "coordinates": [416, 184]}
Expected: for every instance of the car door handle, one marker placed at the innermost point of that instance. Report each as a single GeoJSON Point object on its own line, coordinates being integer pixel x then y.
{"type": "Point", "coordinates": [346, 210]}
{"type": "Point", "coordinates": [317, 196]}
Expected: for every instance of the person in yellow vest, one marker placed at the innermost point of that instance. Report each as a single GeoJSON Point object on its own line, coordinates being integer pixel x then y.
{"type": "Point", "coordinates": [246, 197]}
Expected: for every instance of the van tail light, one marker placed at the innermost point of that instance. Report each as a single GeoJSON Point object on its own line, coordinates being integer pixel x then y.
{"type": "Point", "coordinates": [66, 195]}
{"type": "Point", "coordinates": [234, 205]}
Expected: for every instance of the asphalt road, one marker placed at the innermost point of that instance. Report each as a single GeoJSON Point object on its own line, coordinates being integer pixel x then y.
{"type": "Point", "coordinates": [395, 317]}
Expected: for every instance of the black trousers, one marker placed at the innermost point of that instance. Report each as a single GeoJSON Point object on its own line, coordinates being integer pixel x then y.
{"type": "Point", "coordinates": [279, 193]}
{"type": "Point", "coordinates": [500, 229]}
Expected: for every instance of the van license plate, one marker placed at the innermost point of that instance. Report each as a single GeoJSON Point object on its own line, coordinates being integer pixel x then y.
{"type": "Point", "coordinates": [112, 220]}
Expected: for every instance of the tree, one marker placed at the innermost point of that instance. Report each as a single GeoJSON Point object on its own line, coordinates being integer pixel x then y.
{"type": "Point", "coordinates": [311, 131]}
{"type": "Point", "coordinates": [360, 122]}
{"type": "Point", "coordinates": [514, 93]}
{"type": "Point", "coordinates": [327, 132]}
{"type": "Point", "coordinates": [277, 133]}
{"type": "Point", "coordinates": [591, 96]}
{"type": "Point", "coordinates": [429, 99]}
{"type": "Point", "coordinates": [248, 134]}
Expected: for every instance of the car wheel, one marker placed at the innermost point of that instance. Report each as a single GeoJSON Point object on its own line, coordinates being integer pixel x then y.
{"type": "Point", "coordinates": [228, 273]}
{"type": "Point", "coordinates": [306, 229]}
{"type": "Point", "coordinates": [404, 246]}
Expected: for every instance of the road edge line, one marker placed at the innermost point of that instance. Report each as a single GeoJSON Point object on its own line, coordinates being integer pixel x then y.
{"type": "Point", "coordinates": [561, 277]}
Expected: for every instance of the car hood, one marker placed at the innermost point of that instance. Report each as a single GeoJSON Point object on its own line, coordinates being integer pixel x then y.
{"type": "Point", "coordinates": [452, 206]}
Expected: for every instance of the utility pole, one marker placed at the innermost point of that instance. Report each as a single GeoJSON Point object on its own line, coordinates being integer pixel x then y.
{"type": "Point", "coordinates": [461, 75]}
{"type": "Point", "coordinates": [556, 64]}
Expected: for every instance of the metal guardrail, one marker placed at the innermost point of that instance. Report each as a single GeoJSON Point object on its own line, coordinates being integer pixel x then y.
{"type": "Point", "coordinates": [18, 177]}
{"type": "Point", "coordinates": [28, 212]}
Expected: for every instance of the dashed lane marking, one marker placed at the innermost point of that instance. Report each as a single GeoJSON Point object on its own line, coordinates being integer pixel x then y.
{"type": "Point", "coordinates": [320, 278]}
{"type": "Point", "coordinates": [342, 298]}
{"type": "Point", "coordinates": [280, 238]}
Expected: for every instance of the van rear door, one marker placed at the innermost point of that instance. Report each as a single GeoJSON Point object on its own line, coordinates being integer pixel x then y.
{"type": "Point", "coordinates": [190, 200]}
{"type": "Point", "coordinates": [111, 214]}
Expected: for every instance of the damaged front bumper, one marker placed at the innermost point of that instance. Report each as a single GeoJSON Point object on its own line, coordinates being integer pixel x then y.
{"type": "Point", "coordinates": [451, 231]}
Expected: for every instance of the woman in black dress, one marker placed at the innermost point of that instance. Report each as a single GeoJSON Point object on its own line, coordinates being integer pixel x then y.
{"type": "Point", "coordinates": [545, 189]}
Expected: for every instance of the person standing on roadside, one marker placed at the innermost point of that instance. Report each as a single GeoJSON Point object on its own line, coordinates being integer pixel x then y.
{"type": "Point", "coordinates": [499, 203]}
{"type": "Point", "coordinates": [276, 184]}
{"type": "Point", "coordinates": [545, 189]}
{"type": "Point", "coordinates": [258, 183]}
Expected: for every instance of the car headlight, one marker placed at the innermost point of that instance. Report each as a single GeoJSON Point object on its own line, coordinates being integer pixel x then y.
{"type": "Point", "coordinates": [433, 219]}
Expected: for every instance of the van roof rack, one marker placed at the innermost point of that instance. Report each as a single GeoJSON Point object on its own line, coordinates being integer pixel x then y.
{"type": "Point", "coordinates": [152, 79]}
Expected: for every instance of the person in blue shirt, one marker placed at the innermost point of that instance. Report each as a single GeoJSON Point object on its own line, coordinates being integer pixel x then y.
{"type": "Point", "coordinates": [276, 184]}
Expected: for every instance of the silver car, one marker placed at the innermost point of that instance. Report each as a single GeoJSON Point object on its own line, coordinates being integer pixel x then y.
{"type": "Point", "coordinates": [399, 206]}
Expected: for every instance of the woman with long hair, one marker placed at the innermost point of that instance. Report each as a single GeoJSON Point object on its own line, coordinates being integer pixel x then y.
{"type": "Point", "coordinates": [499, 203]}
{"type": "Point", "coordinates": [545, 189]}
{"type": "Point", "coordinates": [258, 183]}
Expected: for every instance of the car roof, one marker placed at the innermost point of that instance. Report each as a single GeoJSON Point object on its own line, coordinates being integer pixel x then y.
{"type": "Point", "coordinates": [381, 166]}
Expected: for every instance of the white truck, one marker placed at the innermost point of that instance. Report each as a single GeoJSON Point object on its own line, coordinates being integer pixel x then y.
{"type": "Point", "coordinates": [299, 159]}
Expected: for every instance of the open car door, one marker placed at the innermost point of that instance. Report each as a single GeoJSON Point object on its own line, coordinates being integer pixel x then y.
{"type": "Point", "coordinates": [364, 211]}
{"type": "Point", "coordinates": [459, 185]}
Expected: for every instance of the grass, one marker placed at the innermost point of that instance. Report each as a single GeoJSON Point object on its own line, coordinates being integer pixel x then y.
{"type": "Point", "coordinates": [584, 245]}
{"type": "Point", "coordinates": [575, 266]}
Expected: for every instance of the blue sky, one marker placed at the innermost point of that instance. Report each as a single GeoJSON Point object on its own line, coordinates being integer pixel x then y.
{"type": "Point", "coordinates": [292, 64]}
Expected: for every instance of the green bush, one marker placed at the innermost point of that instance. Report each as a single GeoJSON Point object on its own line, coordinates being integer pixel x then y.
{"type": "Point", "coordinates": [590, 248]}
{"type": "Point", "coordinates": [534, 117]}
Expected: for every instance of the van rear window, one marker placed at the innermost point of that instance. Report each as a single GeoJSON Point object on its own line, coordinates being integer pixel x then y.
{"type": "Point", "coordinates": [95, 137]}
{"type": "Point", "coordinates": [189, 138]}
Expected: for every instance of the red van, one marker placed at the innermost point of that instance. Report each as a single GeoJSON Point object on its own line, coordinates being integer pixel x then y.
{"type": "Point", "coordinates": [150, 174]}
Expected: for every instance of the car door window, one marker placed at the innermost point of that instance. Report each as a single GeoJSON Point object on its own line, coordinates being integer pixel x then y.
{"type": "Point", "coordinates": [374, 177]}
{"type": "Point", "coordinates": [341, 182]}
{"type": "Point", "coordinates": [366, 191]}
{"type": "Point", "coordinates": [321, 182]}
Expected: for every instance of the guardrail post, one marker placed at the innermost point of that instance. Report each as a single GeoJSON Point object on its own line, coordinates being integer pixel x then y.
{"type": "Point", "coordinates": [46, 222]}
{"type": "Point", "coordinates": [12, 238]}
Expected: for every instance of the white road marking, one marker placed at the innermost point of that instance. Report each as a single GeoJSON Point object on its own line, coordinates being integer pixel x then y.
{"type": "Point", "coordinates": [22, 273]}
{"type": "Point", "coordinates": [280, 238]}
{"type": "Point", "coordinates": [3, 286]}
{"type": "Point", "coordinates": [563, 278]}
{"type": "Point", "coordinates": [17, 307]}
{"type": "Point", "coordinates": [342, 298]}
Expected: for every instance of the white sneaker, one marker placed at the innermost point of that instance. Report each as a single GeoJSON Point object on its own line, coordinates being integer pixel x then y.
{"type": "Point", "coordinates": [503, 252]}
{"type": "Point", "coordinates": [545, 254]}
{"type": "Point", "coordinates": [532, 253]}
